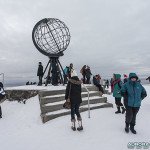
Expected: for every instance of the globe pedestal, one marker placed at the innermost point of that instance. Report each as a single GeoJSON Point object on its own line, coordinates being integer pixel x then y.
{"type": "Point", "coordinates": [51, 62]}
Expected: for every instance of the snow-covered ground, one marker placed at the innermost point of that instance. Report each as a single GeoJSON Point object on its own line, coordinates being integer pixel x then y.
{"type": "Point", "coordinates": [21, 128]}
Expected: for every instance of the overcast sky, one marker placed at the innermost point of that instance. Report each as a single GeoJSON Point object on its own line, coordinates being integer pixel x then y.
{"type": "Point", "coordinates": [111, 36]}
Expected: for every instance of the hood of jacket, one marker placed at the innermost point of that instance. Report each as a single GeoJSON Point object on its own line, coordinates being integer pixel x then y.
{"type": "Point", "coordinates": [131, 75]}
{"type": "Point", "coordinates": [117, 76]}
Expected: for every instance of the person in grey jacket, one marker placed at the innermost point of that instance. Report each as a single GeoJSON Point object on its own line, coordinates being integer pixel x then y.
{"type": "Point", "coordinates": [88, 75]}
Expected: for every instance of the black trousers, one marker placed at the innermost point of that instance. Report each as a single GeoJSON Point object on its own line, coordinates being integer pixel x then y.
{"type": "Point", "coordinates": [75, 110]}
{"type": "Point", "coordinates": [84, 79]}
{"type": "Point", "coordinates": [118, 101]}
{"type": "Point", "coordinates": [54, 79]}
{"type": "Point", "coordinates": [131, 113]}
{"type": "Point", "coordinates": [88, 81]}
{"type": "Point", "coordinates": [100, 87]}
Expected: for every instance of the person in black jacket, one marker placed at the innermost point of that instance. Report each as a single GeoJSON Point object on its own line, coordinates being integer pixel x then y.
{"type": "Point", "coordinates": [2, 95]}
{"type": "Point", "coordinates": [84, 74]}
{"type": "Point", "coordinates": [40, 73]}
{"type": "Point", "coordinates": [88, 75]}
{"type": "Point", "coordinates": [55, 73]}
{"type": "Point", "coordinates": [73, 95]}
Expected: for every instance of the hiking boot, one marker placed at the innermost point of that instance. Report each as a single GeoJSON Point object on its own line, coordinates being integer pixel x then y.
{"type": "Point", "coordinates": [117, 112]}
{"type": "Point", "coordinates": [127, 128]}
{"type": "Point", "coordinates": [80, 128]}
{"type": "Point", "coordinates": [123, 110]}
{"type": "Point", "coordinates": [132, 129]}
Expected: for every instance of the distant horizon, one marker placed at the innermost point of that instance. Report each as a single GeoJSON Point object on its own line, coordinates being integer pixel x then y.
{"type": "Point", "coordinates": [22, 81]}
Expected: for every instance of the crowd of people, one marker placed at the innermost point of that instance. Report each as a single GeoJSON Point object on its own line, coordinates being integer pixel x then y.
{"type": "Point", "coordinates": [129, 88]}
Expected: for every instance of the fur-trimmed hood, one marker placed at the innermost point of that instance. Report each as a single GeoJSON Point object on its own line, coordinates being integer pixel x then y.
{"type": "Point", "coordinates": [77, 82]}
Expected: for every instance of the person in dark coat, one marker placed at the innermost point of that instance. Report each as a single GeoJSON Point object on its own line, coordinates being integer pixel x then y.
{"type": "Point", "coordinates": [2, 96]}
{"type": "Point", "coordinates": [107, 84]}
{"type": "Point", "coordinates": [125, 78]}
{"type": "Point", "coordinates": [55, 72]}
{"type": "Point", "coordinates": [40, 73]}
{"type": "Point", "coordinates": [133, 93]}
{"type": "Point", "coordinates": [96, 82]}
{"type": "Point", "coordinates": [88, 75]}
{"type": "Point", "coordinates": [73, 95]}
{"type": "Point", "coordinates": [84, 73]}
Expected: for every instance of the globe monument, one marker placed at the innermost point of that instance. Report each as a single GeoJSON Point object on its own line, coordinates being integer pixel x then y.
{"type": "Point", "coordinates": [51, 37]}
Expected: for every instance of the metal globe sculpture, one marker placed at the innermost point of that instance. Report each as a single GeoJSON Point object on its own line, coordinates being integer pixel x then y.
{"type": "Point", "coordinates": [51, 37]}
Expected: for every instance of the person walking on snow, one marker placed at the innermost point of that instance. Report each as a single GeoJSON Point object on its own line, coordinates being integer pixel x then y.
{"type": "Point", "coordinates": [117, 94]}
{"type": "Point", "coordinates": [73, 95]}
{"type": "Point", "coordinates": [133, 93]}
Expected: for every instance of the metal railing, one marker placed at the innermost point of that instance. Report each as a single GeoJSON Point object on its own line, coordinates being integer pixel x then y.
{"type": "Point", "coordinates": [3, 77]}
{"type": "Point", "coordinates": [88, 99]}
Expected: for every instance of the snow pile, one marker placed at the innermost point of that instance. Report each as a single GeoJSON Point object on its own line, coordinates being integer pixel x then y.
{"type": "Point", "coordinates": [21, 128]}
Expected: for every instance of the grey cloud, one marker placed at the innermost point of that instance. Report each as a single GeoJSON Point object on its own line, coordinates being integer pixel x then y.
{"type": "Point", "coordinates": [110, 36]}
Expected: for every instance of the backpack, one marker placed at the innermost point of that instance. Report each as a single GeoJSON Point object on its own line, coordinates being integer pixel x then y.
{"type": "Point", "coordinates": [81, 71]}
{"type": "Point", "coordinates": [2, 93]}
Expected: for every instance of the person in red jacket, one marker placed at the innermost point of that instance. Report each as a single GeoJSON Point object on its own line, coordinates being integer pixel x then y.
{"type": "Point", "coordinates": [99, 78]}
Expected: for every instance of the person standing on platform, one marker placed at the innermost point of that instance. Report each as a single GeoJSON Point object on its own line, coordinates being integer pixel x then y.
{"type": "Point", "coordinates": [40, 73]}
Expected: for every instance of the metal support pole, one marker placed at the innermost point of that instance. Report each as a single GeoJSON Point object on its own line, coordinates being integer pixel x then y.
{"type": "Point", "coordinates": [46, 67]}
{"type": "Point", "coordinates": [48, 72]}
{"type": "Point", "coordinates": [88, 106]}
{"type": "Point", "coordinates": [62, 71]}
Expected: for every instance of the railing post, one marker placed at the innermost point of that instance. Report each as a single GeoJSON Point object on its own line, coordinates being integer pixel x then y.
{"type": "Point", "coordinates": [88, 100]}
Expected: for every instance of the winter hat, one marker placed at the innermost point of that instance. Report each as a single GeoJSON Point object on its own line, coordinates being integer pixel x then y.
{"type": "Point", "coordinates": [73, 73]}
{"type": "Point", "coordinates": [125, 76]}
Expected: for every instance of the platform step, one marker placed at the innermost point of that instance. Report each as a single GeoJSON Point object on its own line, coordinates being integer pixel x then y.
{"type": "Point", "coordinates": [61, 97]}
{"type": "Point", "coordinates": [51, 108]}
{"type": "Point", "coordinates": [50, 116]}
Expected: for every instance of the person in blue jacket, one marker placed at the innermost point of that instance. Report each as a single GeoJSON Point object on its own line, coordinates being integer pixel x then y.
{"type": "Point", "coordinates": [133, 93]}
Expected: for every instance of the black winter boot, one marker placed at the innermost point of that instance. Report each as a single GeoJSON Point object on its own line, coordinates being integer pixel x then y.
{"type": "Point", "coordinates": [117, 112]}
{"type": "Point", "coordinates": [123, 110]}
{"type": "Point", "coordinates": [132, 129]}
{"type": "Point", "coordinates": [127, 128]}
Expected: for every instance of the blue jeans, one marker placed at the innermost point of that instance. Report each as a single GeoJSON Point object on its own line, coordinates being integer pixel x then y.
{"type": "Point", "coordinates": [40, 79]}
{"type": "Point", "coordinates": [75, 110]}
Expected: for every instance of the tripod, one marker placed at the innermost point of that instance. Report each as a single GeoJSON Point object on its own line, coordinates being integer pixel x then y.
{"type": "Point", "coordinates": [51, 62]}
